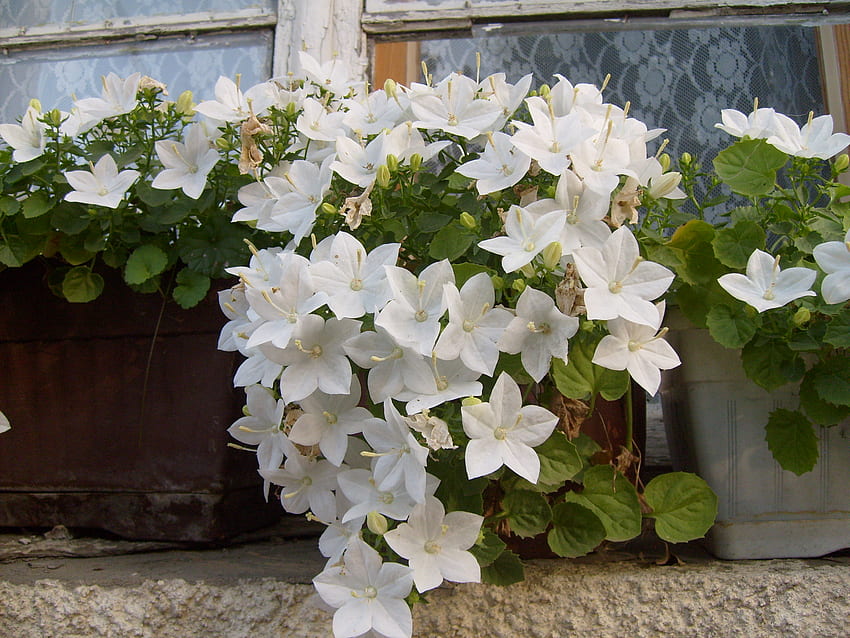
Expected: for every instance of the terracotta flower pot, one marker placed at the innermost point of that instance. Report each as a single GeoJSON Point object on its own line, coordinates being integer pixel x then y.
{"type": "Point", "coordinates": [117, 424]}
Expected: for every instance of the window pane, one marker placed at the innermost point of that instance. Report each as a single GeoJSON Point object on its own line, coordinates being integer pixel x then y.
{"type": "Point", "coordinates": [675, 79]}
{"type": "Point", "coordinates": [181, 63]}
{"type": "Point", "coordinates": [30, 13]}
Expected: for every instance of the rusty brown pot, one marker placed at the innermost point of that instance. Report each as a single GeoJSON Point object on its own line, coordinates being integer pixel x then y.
{"type": "Point", "coordinates": [104, 437]}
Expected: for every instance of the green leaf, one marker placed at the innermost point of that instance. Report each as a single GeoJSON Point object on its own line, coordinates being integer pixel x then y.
{"type": "Point", "coordinates": [191, 288]}
{"type": "Point", "coordinates": [450, 242]}
{"type": "Point", "coordinates": [488, 549]}
{"type": "Point", "coordinates": [144, 263]}
{"type": "Point", "coordinates": [818, 410]}
{"type": "Point", "coordinates": [579, 378]}
{"type": "Point", "coordinates": [81, 285]}
{"type": "Point", "coordinates": [838, 332]}
{"type": "Point", "coordinates": [732, 326]}
{"type": "Point", "coordinates": [749, 167]}
{"type": "Point", "coordinates": [832, 381]}
{"type": "Point", "coordinates": [768, 362]}
{"type": "Point", "coordinates": [464, 271]}
{"type": "Point", "coordinates": [9, 205]}
{"type": "Point", "coordinates": [791, 438]}
{"type": "Point", "coordinates": [733, 245]}
{"type": "Point", "coordinates": [559, 459]}
{"type": "Point", "coordinates": [70, 219]}
{"type": "Point", "coordinates": [456, 491]}
{"type": "Point", "coordinates": [528, 513]}
{"type": "Point", "coordinates": [683, 505]}
{"type": "Point", "coordinates": [428, 222]}
{"type": "Point", "coordinates": [692, 243]}
{"type": "Point", "coordinates": [576, 530]}
{"type": "Point", "coordinates": [610, 496]}
{"type": "Point", "coordinates": [15, 251]}
{"type": "Point", "coordinates": [36, 205]}
{"type": "Point", "coordinates": [507, 569]}
{"type": "Point", "coordinates": [73, 253]}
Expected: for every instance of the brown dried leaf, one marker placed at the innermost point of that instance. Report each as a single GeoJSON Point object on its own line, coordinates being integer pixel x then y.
{"type": "Point", "coordinates": [571, 414]}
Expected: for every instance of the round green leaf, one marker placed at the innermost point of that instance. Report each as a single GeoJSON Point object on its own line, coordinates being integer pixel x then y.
{"type": "Point", "coordinates": [683, 505]}
{"type": "Point", "coordinates": [528, 513]}
{"type": "Point", "coordinates": [191, 288]}
{"type": "Point", "coordinates": [749, 167]}
{"type": "Point", "coordinates": [768, 363]}
{"type": "Point", "coordinates": [575, 530]}
{"type": "Point", "coordinates": [559, 459]}
{"type": "Point", "coordinates": [507, 569]}
{"type": "Point", "coordinates": [733, 245]}
{"type": "Point", "coordinates": [144, 263]}
{"type": "Point", "coordinates": [81, 285]}
{"type": "Point", "coordinates": [732, 326]}
{"type": "Point", "coordinates": [818, 410]}
{"type": "Point", "coordinates": [610, 496]}
{"type": "Point", "coordinates": [792, 440]}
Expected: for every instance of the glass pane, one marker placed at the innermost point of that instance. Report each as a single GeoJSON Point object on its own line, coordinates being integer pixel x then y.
{"type": "Point", "coordinates": [30, 13]}
{"type": "Point", "coordinates": [55, 76]}
{"type": "Point", "coordinates": [675, 79]}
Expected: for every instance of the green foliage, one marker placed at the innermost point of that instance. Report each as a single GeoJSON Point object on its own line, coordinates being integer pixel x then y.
{"type": "Point", "coordinates": [749, 167]}
{"type": "Point", "coordinates": [613, 499]}
{"type": "Point", "coordinates": [559, 459]}
{"type": "Point", "coordinates": [792, 440]}
{"type": "Point", "coordinates": [506, 570]}
{"type": "Point", "coordinates": [579, 378]}
{"type": "Point", "coordinates": [683, 505]}
{"type": "Point", "coordinates": [528, 512]}
{"type": "Point", "coordinates": [576, 530]}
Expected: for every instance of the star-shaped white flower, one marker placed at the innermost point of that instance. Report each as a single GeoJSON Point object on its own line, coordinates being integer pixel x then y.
{"type": "Point", "coordinates": [454, 106]}
{"type": "Point", "coordinates": [332, 75]}
{"type": "Point", "coordinates": [813, 139]}
{"type": "Point", "coordinates": [103, 185]}
{"type": "Point", "coordinates": [620, 283]}
{"type": "Point", "coordinates": [187, 164]}
{"type": "Point", "coordinates": [370, 114]}
{"type": "Point", "coordinates": [504, 432]}
{"type": "Point", "coordinates": [500, 166]}
{"type": "Point", "coordinates": [27, 138]}
{"type": "Point", "coordinates": [318, 123]}
{"type": "Point", "coordinates": [4, 423]}
{"type": "Point", "coordinates": [474, 325]}
{"type": "Point", "coordinates": [436, 544]}
{"type": "Point", "coordinates": [360, 488]}
{"type": "Point", "coordinates": [507, 96]}
{"type": "Point", "coordinates": [551, 138]}
{"type": "Point", "coordinates": [834, 259]}
{"type": "Point", "coordinates": [760, 124]}
{"type": "Point", "coordinates": [232, 105]}
{"type": "Point", "coordinates": [451, 380]}
{"type": "Point", "coordinates": [299, 190]}
{"type": "Point", "coordinates": [118, 97]}
{"type": "Point", "coordinates": [639, 349]}
{"type": "Point", "coordinates": [328, 419]}
{"type": "Point", "coordinates": [766, 285]}
{"type": "Point", "coordinates": [538, 332]}
{"type": "Point", "coordinates": [526, 237]}
{"type": "Point", "coordinates": [367, 594]}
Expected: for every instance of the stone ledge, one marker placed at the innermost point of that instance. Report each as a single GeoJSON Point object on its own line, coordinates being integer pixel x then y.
{"type": "Point", "coordinates": [261, 589]}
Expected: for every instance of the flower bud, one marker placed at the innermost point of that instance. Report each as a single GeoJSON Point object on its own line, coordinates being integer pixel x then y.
{"type": "Point", "coordinates": [528, 270]}
{"type": "Point", "coordinates": [392, 163]}
{"type": "Point", "coordinates": [467, 221]}
{"type": "Point", "coordinates": [498, 282]}
{"type": "Point", "coordinates": [36, 104]}
{"type": "Point", "coordinates": [53, 117]}
{"type": "Point", "coordinates": [518, 285]}
{"type": "Point", "coordinates": [383, 176]}
{"type": "Point", "coordinates": [377, 523]}
{"type": "Point", "coordinates": [246, 411]}
{"type": "Point", "coordinates": [291, 110]}
{"type": "Point", "coordinates": [470, 401]}
{"type": "Point", "coordinates": [184, 103]}
{"type": "Point", "coordinates": [664, 160]}
{"type": "Point", "coordinates": [328, 208]}
{"type": "Point", "coordinates": [802, 316]}
{"type": "Point", "coordinates": [686, 159]}
{"type": "Point", "coordinates": [842, 162]}
{"type": "Point", "coordinates": [587, 325]}
{"type": "Point", "coordinates": [390, 88]}
{"type": "Point", "coordinates": [664, 184]}
{"type": "Point", "coordinates": [552, 255]}
{"type": "Point", "coordinates": [223, 143]}
{"type": "Point", "coordinates": [544, 90]}
{"type": "Point", "coordinates": [415, 162]}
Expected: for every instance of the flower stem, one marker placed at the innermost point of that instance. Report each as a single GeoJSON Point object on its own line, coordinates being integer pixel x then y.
{"type": "Point", "coordinates": [629, 417]}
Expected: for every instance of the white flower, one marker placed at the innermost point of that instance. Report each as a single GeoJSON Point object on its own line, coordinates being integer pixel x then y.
{"type": "Point", "coordinates": [538, 332]}
{"type": "Point", "coordinates": [359, 164]}
{"type": "Point", "coordinates": [474, 325]}
{"type": "Point", "coordinates": [760, 124]}
{"type": "Point", "coordinates": [500, 166]}
{"type": "Point", "coordinates": [299, 190]}
{"type": "Point", "coordinates": [102, 186]}
{"type": "Point", "coordinates": [316, 122]}
{"type": "Point", "coordinates": [27, 138]}
{"type": "Point", "coordinates": [639, 349]}
{"type": "Point", "coordinates": [412, 316]}
{"type": "Point", "coordinates": [187, 164]}
{"type": "Point", "coordinates": [507, 96]}
{"type": "Point", "coordinates": [834, 259]}
{"type": "Point", "coordinates": [367, 594]}
{"type": "Point", "coordinates": [435, 544]}
{"type": "Point", "coordinates": [328, 419]}
{"type": "Point", "coordinates": [4, 423]}
{"type": "Point", "coordinates": [332, 75]}
{"type": "Point", "coordinates": [814, 139]}
{"type": "Point", "coordinates": [526, 237]}
{"type": "Point", "coordinates": [766, 286]}
{"type": "Point", "coordinates": [118, 97]}
{"type": "Point", "coordinates": [232, 105]}
{"type": "Point", "coordinates": [454, 107]}
{"type": "Point", "coordinates": [360, 487]}
{"type": "Point", "coordinates": [550, 139]}
{"type": "Point", "coordinates": [620, 283]}
{"type": "Point", "coordinates": [397, 457]}
{"type": "Point", "coordinates": [503, 432]}
{"type": "Point", "coordinates": [307, 484]}
{"type": "Point", "coordinates": [370, 114]}
{"type": "Point", "coordinates": [451, 380]}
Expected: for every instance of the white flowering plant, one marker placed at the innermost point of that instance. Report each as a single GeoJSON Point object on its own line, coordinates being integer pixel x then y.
{"type": "Point", "coordinates": [763, 262]}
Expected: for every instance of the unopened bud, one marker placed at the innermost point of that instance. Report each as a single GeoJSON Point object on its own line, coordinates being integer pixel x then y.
{"type": "Point", "coordinates": [36, 104]}
{"type": "Point", "coordinates": [470, 401]}
{"type": "Point", "coordinates": [842, 162]}
{"type": "Point", "coordinates": [377, 523]}
{"type": "Point", "coordinates": [291, 110]}
{"type": "Point", "coordinates": [246, 411]}
{"type": "Point", "coordinates": [528, 270]}
{"type": "Point", "coordinates": [53, 117]}
{"type": "Point", "coordinates": [415, 162]}
{"type": "Point", "coordinates": [544, 90]}
{"type": "Point", "coordinates": [467, 221]}
{"type": "Point", "coordinates": [518, 285]}
{"type": "Point", "coordinates": [223, 143]}
{"type": "Point", "coordinates": [328, 208]}
{"type": "Point", "coordinates": [587, 325]}
{"type": "Point", "coordinates": [686, 159]}
{"type": "Point", "coordinates": [498, 282]}
{"type": "Point", "coordinates": [383, 176]}
{"type": "Point", "coordinates": [664, 160]}
{"type": "Point", "coordinates": [184, 103]}
{"type": "Point", "coordinates": [802, 316]}
{"type": "Point", "coordinates": [552, 255]}
{"type": "Point", "coordinates": [392, 163]}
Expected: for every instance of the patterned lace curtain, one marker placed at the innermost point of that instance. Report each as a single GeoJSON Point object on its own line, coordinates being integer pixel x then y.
{"type": "Point", "coordinates": [674, 79]}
